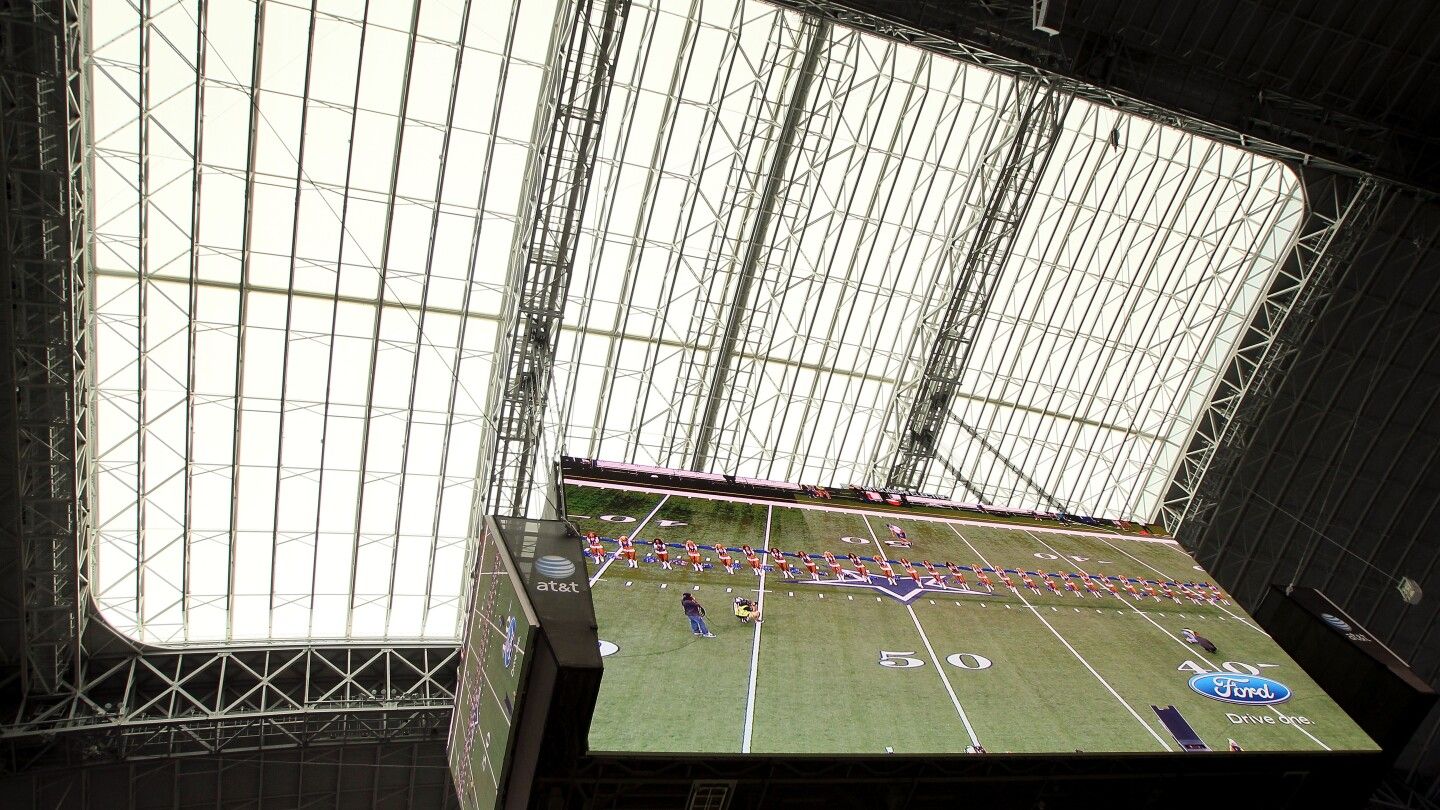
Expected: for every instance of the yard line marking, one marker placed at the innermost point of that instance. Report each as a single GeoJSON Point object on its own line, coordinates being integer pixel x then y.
{"type": "Point", "coordinates": [686, 493]}
{"type": "Point", "coordinates": [1237, 618]}
{"type": "Point", "coordinates": [606, 565]}
{"type": "Point", "coordinates": [1073, 651]}
{"type": "Point", "coordinates": [755, 648]}
{"type": "Point", "coordinates": [934, 659]}
{"type": "Point", "coordinates": [1208, 662]}
{"type": "Point", "coordinates": [926, 640]}
{"type": "Point", "coordinates": [1300, 728]}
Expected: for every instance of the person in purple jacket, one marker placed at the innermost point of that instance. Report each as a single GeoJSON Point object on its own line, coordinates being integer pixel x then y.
{"type": "Point", "coordinates": [696, 614]}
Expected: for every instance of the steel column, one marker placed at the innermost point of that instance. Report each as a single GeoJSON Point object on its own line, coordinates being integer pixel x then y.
{"type": "Point", "coordinates": [722, 382]}
{"type": "Point", "coordinates": [44, 91]}
{"type": "Point", "coordinates": [1039, 110]}
{"type": "Point", "coordinates": [542, 264]}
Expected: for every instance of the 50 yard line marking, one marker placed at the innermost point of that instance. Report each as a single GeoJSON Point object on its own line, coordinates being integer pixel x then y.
{"type": "Point", "coordinates": [636, 535]}
{"type": "Point", "coordinates": [755, 648]}
{"type": "Point", "coordinates": [1073, 651]}
{"type": "Point", "coordinates": [1182, 643]}
{"type": "Point", "coordinates": [924, 639]}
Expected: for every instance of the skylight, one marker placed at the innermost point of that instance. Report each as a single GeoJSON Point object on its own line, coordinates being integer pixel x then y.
{"type": "Point", "coordinates": [303, 224]}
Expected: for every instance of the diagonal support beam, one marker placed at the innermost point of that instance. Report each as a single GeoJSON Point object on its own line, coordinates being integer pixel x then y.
{"type": "Point", "coordinates": [588, 48]}
{"type": "Point", "coordinates": [1341, 213]}
{"type": "Point", "coordinates": [816, 34]}
{"type": "Point", "coordinates": [1007, 463]}
{"type": "Point", "coordinates": [1039, 111]}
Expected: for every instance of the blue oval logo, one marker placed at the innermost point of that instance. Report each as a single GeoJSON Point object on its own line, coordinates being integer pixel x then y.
{"type": "Point", "coordinates": [1336, 622]}
{"type": "Point", "coordinates": [507, 650]}
{"type": "Point", "coordinates": [555, 566]}
{"type": "Point", "coordinates": [1248, 690]}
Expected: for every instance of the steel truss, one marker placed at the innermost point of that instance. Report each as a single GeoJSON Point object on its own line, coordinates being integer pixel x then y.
{"type": "Point", "coordinates": [162, 703]}
{"type": "Point", "coordinates": [44, 143]}
{"type": "Point", "coordinates": [114, 700]}
{"type": "Point", "coordinates": [1342, 202]}
{"type": "Point", "coordinates": [542, 264]}
{"type": "Point", "coordinates": [778, 199]}
{"type": "Point", "coordinates": [84, 695]}
{"type": "Point", "coordinates": [904, 32]}
{"type": "Point", "coordinates": [795, 90]}
{"type": "Point", "coordinates": [1039, 112]}
{"type": "Point", "coordinates": [1340, 213]}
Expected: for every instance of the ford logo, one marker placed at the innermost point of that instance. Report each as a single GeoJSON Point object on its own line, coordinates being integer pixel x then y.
{"type": "Point", "coordinates": [1336, 622]}
{"type": "Point", "coordinates": [1249, 690]}
{"type": "Point", "coordinates": [555, 566]}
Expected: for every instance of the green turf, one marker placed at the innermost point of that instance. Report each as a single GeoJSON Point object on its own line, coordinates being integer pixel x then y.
{"type": "Point", "coordinates": [1059, 672]}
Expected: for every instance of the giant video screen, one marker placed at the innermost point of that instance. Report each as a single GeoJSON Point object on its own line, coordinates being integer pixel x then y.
{"type": "Point", "coordinates": [494, 646]}
{"type": "Point", "coordinates": [814, 627]}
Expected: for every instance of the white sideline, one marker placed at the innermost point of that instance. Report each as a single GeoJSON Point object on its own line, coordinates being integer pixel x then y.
{"type": "Point", "coordinates": [635, 535]}
{"type": "Point", "coordinates": [1073, 651]}
{"type": "Point", "coordinates": [934, 659]}
{"type": "Point", "coordinates": [755, 648]}
{"type": "Point", "coordinates": [585, 482]}
{"type": "Point", "coordinates": [1183, 643]}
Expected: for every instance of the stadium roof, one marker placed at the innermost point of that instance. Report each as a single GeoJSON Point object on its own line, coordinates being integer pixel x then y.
{"type": "Point", "coordinates": [304, 225]}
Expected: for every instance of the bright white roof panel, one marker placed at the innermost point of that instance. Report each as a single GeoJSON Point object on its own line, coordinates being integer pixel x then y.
{"type": "Point", "coordinates": [303, 224]}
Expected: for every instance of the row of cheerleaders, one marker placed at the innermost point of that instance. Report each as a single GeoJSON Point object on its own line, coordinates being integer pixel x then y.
{"type": "Point", "coordinates": [943, 575]}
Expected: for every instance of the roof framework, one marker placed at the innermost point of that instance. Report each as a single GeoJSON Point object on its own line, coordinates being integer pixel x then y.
{"type": "Point", "coordinates": [305, 224]}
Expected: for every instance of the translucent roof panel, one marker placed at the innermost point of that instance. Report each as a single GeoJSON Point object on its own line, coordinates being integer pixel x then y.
{"type": "Point", "coordinates": [1141, 260]}
{"type": "Point", "coordinates": [303, 223]}
{"type": "Point", "coordinates": [292, 333]}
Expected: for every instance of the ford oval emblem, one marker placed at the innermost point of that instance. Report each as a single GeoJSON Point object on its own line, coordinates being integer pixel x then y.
{"type": "Point", "coordinates": [1248, 690]}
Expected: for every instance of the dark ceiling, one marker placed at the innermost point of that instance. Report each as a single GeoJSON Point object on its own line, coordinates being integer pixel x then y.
{"type": "Point", "coordinates": [1347, 81]}
{"type": "Point", "coordinates": [1340, 487]}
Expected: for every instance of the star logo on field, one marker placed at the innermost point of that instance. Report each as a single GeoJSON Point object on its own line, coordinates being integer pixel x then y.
{"type": "Point", "coordinates": [904, 590]}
